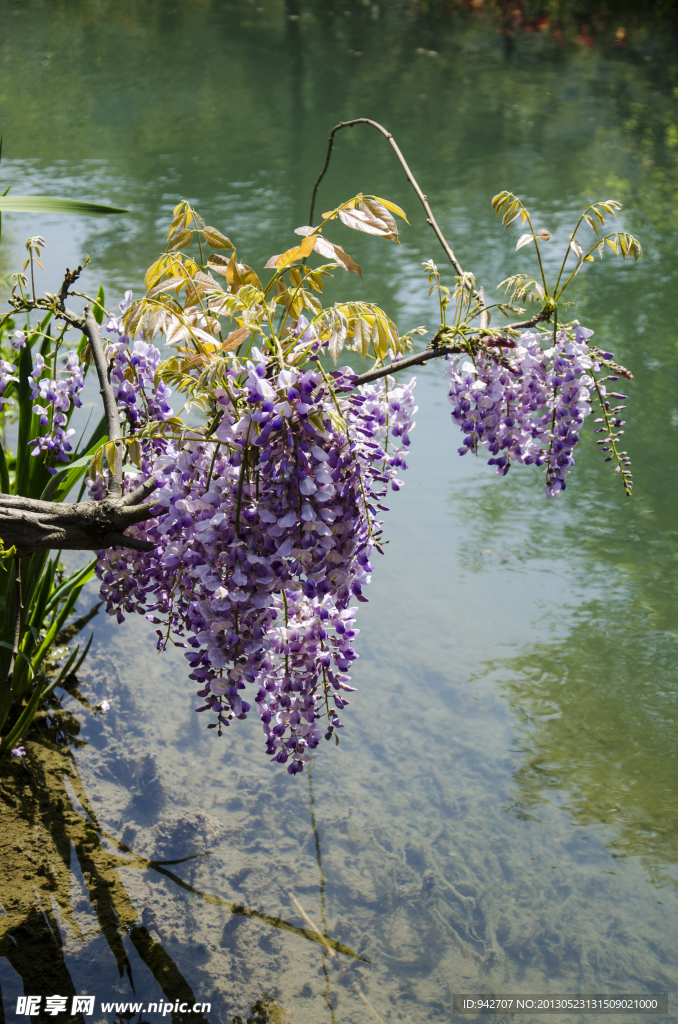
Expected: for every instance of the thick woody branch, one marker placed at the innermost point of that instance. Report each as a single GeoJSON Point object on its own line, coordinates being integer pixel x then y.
{"type": "Point", "coordinates": [90, 328]}
{"type": "Point", "coordinates": [31, 525]}
{"type": "Point", "coordinates": [420, 359]}
{"type": "Point", "coordinates": [34, 525]}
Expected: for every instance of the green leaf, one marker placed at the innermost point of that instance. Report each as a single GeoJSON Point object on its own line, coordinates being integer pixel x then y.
{"type": "Point", "coordinates": [3, 643]}
{"type": "Point", "coordinates": [77, 579]}
{"type": "Point", "coordinates": [62, 482]}
{"type": "Point", "coordinates": [99, 307]}
{"type": "Point", "coordinates": [4, 473]}
{"type": "Point", "coordinates": [50, 204]}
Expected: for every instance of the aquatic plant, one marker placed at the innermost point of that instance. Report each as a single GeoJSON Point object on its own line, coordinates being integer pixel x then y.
{"type": "Point", "coordinates": [246, 539]}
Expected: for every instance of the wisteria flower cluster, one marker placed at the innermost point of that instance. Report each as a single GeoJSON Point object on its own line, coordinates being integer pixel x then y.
{"type": "Point", "coordinates": [7, 375]}
{"type": "Point", "coordinates": [263, 536]}
{"type": "Point", "coordinates": [57, 396]}
{"type": "Point", "coordinates": [133, 369]}
{"type": "Point", "coordinates": [530, 408]}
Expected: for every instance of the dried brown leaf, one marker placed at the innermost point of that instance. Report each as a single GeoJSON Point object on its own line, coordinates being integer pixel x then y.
{"type": "Point", "coordinates": [169, 284]}
{"type": "Point", "coordinates": [180, 240]}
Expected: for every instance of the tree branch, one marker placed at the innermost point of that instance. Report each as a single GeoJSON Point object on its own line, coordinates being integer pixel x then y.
{"type": "Point", "coordinates": [410, 177]}
{"type": "Point", "coordinates": [91, 329]}
{"type": "Point", "coordinates": [436, 350]}
{"type": "Point", "coordinates": [419, 359]}
{"type": "Point", "coordinates": [33, 525]}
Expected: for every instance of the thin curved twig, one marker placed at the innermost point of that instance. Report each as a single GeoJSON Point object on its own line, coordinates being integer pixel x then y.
{"type": "Point", "coordinates": [408, 174]}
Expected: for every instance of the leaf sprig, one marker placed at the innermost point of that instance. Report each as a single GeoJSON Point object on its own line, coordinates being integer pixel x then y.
{"type": "Point", "coordinates": [523, 288]}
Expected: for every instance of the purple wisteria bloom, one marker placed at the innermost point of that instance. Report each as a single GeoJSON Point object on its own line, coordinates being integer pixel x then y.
{"type": "Point", "coordinates": [56, 396]}
{"type": "Point", "coordinates": [531, 414]}
{"type": "Point", "coordinates": [263, 538]}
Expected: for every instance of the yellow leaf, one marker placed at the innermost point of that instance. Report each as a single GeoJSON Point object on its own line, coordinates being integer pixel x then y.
{"type": "Point", "coordinates": [216, 239]}
{"type": "Point", "coordinates": [155, 272]}
{"type": "Point", "coordinates": [111, 455]}
{"type": "Point", "coordinates": [178, 222]}
{"type": "Point", "coordinates": [297, 252]}
{"type": "Point", "coordinates": [134, 449]}
{"type": "Point", "coordinates": [393, 208]}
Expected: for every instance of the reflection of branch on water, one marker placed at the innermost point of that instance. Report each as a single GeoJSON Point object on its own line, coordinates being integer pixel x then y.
{"type": "Point", "coordinates": [323, 917]}
{"type": "Point", "coordinates": [308, 921]}
{"type": "Point", "coordinates": [235, 908]}
{"type": "Point", "coordinates": [40, 827]}
{"type": "Point", "coordinates": [368, 1004]}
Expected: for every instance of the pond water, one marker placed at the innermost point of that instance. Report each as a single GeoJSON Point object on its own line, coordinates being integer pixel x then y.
{"type": "Point", "coordinates": [502, 811]}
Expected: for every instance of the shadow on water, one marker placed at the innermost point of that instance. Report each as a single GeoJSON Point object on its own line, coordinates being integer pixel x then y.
{"type": "Point", "coordinates": [46, 813]}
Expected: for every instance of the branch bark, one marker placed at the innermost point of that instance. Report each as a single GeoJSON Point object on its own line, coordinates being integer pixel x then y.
{"type": "Point", "coordinates": [403, 364]}
{"type": "Point", "coordinates": [91, 329]}
{"type": "Point", "coordinates": [32, 525]}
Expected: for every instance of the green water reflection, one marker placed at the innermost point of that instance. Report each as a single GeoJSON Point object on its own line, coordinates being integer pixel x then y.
{"type": "Point", "coordinates": [229, 104]}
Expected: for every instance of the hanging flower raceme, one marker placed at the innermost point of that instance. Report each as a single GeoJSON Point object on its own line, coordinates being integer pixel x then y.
{"type": "Point", "coordinates": [7, 374]}
{"type": "Point", "coordinates": [263, 536]}
{"type": "Point", "coordinates": [268, 511]}
{"type": "Point", "coordinates": [133, 374]}
{"type": "Point", "coordinates": [528, 409]}
{"type": "Point", "coordinates": [56, 399]}
{"type": "Point", "coordinates": [268, 516]}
